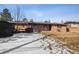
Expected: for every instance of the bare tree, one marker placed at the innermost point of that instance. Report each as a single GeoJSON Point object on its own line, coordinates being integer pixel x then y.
{"type": "Point", "coordinates": [18, 13]}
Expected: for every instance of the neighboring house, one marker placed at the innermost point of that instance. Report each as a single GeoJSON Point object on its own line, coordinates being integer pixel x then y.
{"type": "Point", "coordinates": [73, 26]}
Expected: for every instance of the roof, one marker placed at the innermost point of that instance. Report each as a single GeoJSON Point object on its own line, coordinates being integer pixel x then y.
{"type": "Point", "coordinates": [17, 22]}
{"type": "Point", "coordinates": [42, 23]}
{"type": "Point", "coordinates": [57, 24]}
{"type": "Point", "coordinates": [29, 22]}
{"type": "Point", "coordinates": [71, 22]}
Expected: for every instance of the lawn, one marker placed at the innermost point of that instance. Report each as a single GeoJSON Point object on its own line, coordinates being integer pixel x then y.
{"type": "Point", "coordinates": [70, 39]}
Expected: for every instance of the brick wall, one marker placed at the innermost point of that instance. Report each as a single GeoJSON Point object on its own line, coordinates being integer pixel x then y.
{"type": "Point", "coordinates": [39, 28]}
{"type": "Point", "coordinates": [63, 29]}
{"type": "Point", "coordinates": [58, 29]}
{"type": "Point", "coordinates": [54, 28]}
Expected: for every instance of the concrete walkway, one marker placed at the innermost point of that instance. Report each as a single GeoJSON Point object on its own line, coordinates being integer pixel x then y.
{"type": "Point", "coordinates": [24, 43]}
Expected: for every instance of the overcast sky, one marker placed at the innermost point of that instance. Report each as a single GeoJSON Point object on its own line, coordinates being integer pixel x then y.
{"type": "Point", "coordinates": [42, 12]}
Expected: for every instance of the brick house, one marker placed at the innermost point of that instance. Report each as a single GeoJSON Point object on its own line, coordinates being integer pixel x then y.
{"type": "Point", "coordinates": [38, 27]}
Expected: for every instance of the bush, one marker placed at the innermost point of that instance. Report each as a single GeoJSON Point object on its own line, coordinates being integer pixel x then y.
{"type": "Point", "coordinates": [6, 29]}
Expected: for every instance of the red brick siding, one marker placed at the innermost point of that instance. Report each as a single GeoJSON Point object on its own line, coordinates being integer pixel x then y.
{"type": "Point", "coordinates": [58, 29]}
{"type": "Point", "coordinates": [39, 28]}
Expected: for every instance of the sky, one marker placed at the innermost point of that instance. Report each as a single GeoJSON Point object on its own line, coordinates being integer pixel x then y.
{"type": "Point", "coordinates": [44, 12]}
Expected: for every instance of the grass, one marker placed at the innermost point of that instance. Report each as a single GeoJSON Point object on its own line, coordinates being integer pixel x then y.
{"type": "Point", "coordinates": [70, 39]}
